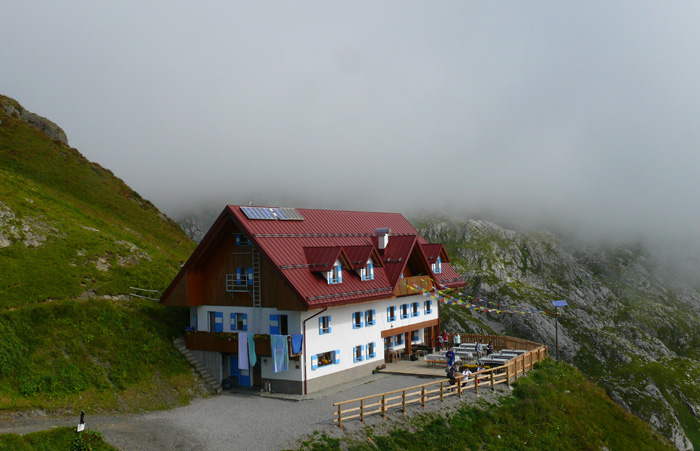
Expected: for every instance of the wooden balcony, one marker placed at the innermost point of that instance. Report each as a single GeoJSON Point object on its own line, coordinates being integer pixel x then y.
{"type": "Point", "coordinates": [223, 342]}
{"type": "Point", "coordinates": [413, 285]}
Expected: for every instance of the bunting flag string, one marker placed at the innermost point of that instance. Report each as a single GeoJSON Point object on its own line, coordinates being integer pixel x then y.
{"type": "Point", "coordinates": [447, 296]}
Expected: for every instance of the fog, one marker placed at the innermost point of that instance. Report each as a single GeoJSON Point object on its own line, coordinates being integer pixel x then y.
{"type": "Point", "coordinates": [580, 113]}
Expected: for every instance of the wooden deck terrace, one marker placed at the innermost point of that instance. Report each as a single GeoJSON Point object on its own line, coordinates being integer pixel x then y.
{"type": "Point", "coordinates": [440, 387]}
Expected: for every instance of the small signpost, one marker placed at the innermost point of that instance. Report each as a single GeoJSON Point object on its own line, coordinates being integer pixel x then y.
{"type": "Point", "coordinates": [81, 424]}
{"type": "Point", "coordinates": [556, 305]}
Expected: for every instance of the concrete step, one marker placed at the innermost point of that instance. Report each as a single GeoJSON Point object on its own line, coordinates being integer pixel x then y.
{"type": "Point", "coordinates": [214, 385]}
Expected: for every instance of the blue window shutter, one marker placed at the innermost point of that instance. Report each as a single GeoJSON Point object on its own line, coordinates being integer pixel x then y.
{"type": "Point", "coordinates": [245, 321]}
{"type": "Point", "coordinates": [354, 320]}
{"type": "Point", "coordinates": [388, 314]}
{"type": "Point", "coordinates": [336, 357]}
{"type": "Point", "coordinates": [374, 318]}
{"type": "Point", "coordinates": [329, 323]}
{"type": "Point", "coordinates": [320, 325]}
{"type": "Point", "coordinates": [233, 321]}
{"type": "Point", "coordinates": [360, 313]}
{"type": "Point", "coordinates": [250, 276]}
{"type": "Point", "coordinates": [367, 351]}
{"type": "Point", "coordinates": [239, 276]}
{"type": "Point", "coordinates": [314, 362]}
{"type": "Point", "coordinates": [370, 271]}
{"type": "Point", "coordinates": [340, 274]}
{"type": "Point", "coordinates": [274, 324]}
{"type": "Point", "coordinates": [218, 321]}
{"type": "Point", "coordinates": [374, 348]}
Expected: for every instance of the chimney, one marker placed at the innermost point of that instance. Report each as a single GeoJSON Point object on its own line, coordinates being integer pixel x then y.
{"type": "Point", "coordinates": [382, 237]}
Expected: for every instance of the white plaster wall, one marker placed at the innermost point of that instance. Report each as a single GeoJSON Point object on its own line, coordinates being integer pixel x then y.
{"type": "Point", "coordinates": [344, 338]}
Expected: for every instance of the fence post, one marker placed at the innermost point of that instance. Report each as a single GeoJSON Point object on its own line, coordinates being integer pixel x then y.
{"type": "Point", "coordinates": [476, 384]}
{"type": "Point", "coordinates": [362, 410]}
{"type": "Point", "coordinates": [508, 375]}
{"type": "Point", "coordinates": [492, 373]}
{"type": "Point", "coordinates": [441, 391]}
{"type": "Point", "coordinates": [383, 406]}
{"type": "Point", "coordinates": [403, 402]}
{"type": "Point", "coordinates": [340, 416]}
{"type": "Point", "coordinates": [459, 387]}
{"type": "Point", "coordinates": [422, 396]}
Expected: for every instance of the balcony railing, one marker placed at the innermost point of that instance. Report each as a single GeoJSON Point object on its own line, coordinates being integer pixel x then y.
{"type": "Point", "coordinates": [413, 285]}
{"type": "Point", "coordinates": [223, 342]}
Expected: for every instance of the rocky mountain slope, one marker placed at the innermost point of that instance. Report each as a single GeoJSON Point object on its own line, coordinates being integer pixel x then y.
{"type": "Point", "coordinates": [73, 240]}
{"type": "Point", "coordinates": [69, 227]}
{"type": "Point", "coordinates": [632, 323]}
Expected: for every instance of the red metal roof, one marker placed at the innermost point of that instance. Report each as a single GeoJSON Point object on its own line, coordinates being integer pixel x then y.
{"type": "Point", "coordinates": [302, 248]}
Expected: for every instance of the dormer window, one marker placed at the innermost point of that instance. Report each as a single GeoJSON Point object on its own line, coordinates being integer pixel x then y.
{"type": "Point", "coordinates": [437, 266]}
{"type": "Point", "coordinates": [367, 273]}
{"type": "Point", "coordinates": [335, 275]}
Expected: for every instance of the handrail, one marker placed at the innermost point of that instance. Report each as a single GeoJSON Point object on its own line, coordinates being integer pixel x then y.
{"type": "Point", "coordinates": [134, 295]}
{"type": "Point", "coordinates": [489, 377]}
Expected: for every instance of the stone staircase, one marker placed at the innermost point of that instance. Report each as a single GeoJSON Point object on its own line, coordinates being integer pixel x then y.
{"type": "Point", "coordinates": [213, 384]}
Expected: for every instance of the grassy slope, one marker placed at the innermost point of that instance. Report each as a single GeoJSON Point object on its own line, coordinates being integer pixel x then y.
{"type": "Point", "coordinates": [555, 407]}
{"type": "Point", "coordinates": [64, 438]}
{"type": "Point", "coordinates": [65, 346]}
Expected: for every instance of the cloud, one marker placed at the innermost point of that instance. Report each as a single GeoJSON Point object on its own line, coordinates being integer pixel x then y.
{"type": "Point", "coordinates": [586, 113]}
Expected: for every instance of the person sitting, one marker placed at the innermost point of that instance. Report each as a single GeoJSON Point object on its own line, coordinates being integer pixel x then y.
{"type": "Point", "coordinates": [489, 348]}
{"type": "Point", "coordinates": [466, 373]}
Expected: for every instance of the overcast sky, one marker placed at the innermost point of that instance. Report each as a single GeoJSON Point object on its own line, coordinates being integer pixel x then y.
{"type": "Point", "coordinates": [584, 111]}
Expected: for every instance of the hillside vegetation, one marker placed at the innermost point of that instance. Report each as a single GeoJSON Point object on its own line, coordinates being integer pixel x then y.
{"type": "Point", "coordinates": [632, 323]}
{"type": "Point", "coordinates": [554, 407]}
{"type": "Point", "coordinates": [73, 239]}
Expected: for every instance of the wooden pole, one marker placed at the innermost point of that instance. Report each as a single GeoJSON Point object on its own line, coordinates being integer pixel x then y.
{"type": "Point", "coordinates": [403, 402]}
{"type": "Point", "coordinates": [383, 406]}
{"type": "Point", "coordinates": [340, 416]}
{"type": "Point", "coordinates": [362, 410]}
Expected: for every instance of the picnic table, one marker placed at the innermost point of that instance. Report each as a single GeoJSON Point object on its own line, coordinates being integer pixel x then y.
{"type": "Point", "coordinates": [434, 359]}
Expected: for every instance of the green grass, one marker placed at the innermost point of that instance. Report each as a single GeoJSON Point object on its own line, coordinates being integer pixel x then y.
{"type": "Point", "coordinates": [92, 355]}
{"type": "Point", "coordinates": [555, 407]}
{"type": "Point", "coordinates": [64, 438]}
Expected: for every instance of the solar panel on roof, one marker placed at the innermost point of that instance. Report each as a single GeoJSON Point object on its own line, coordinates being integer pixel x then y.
{"type": "Point", "coordinates": [288, 214]}
{"type": "Point", "coordinates": [258, 213]}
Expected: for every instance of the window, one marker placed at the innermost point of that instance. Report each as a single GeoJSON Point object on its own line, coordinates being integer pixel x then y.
{"type": "Point", "coordinates": [414, 336]}
{"type": "Point", "coordinates": [324, 325]}
{"type": "Point", "coordinates": [391, 314]}
{"type": "Point", "coordinates": [437, 266]}
{"type": "Point", "coordinates": [278, 325]}
{"type": "Point", "coordinates": [371, 353]}
{"type": "Point", "coordinates": [216, 321]}
{"type": "Point", "coordinates": [242, 240]}
{"type": "Point", "coordinates": [414, 310]}
{"type": "Point", "coordinates": [357, 354]}
{"type": "Point", "coordinates": [367, 273]}
{"type": "Point", "coordinates": [398, 340]}
{"type": "Point", "coordinates": [357, 320]}
{"type": "Point", "coordinates": [325, 358]}
{"type": "Point", "coordinates": [404, 311]}
{"type": "Point", "coordinates": [244, 276]}
{"type": "Point", "coordinates": [335, 275]}
{"type": "Point", "coordinates": [369, 318]}
{"type": "Point", "coordinates": [428, 307]}
{"type": "Point", "coordinates": [239, 321]}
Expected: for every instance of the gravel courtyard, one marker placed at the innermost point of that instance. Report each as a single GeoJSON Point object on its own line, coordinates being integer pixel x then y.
{"type": "Point", "coordinates": [245, 420]}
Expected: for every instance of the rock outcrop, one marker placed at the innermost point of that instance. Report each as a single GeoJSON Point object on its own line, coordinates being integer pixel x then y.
{"type": "Point", "coordinates": [631, 322]}
{"type": "Point", "coordinates": [52, 130]}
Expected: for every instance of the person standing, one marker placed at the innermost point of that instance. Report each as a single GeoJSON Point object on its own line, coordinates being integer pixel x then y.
{"type": "Point", "coordinates": [456, 339]}
{"type": "Point", "coordinates": [479, 349]}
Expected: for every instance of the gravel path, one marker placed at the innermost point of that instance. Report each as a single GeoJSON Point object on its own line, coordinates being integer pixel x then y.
{"type": "Point", "coordinates": [244, 420]}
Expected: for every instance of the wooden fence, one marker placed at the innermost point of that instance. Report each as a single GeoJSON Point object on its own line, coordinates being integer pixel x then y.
{"type": "Point", "coordinates": [441, 389]}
